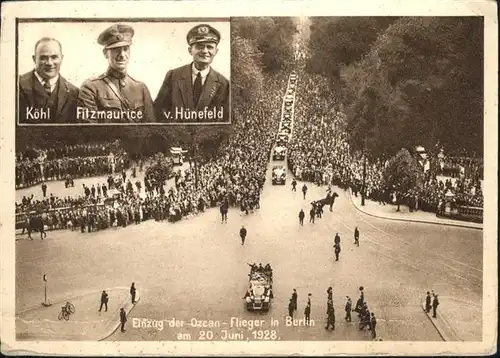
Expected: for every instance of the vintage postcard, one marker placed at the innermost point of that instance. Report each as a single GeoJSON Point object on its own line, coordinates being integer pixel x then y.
{"type": "Point", "coordinates": [249, 178]}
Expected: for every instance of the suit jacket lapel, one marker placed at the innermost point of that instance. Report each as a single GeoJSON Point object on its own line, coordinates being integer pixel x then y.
{"type": "Point", "coordinates": [62, 95]}
{"type": "Point", "coordinates": [209, 89]}
{"type": "Point", "coordinates": [186, 87]}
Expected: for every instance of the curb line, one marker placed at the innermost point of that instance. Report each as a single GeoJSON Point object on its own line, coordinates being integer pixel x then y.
{"type": "Point", "coordinates": [410, 220]}
{"type": "Point", "coordinates": [441, 334]}
{"type": "Point", "coordinates": [118, 324]}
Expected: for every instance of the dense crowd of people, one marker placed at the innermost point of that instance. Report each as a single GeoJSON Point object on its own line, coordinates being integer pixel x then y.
{"type": "Point", "coordinates": [319, 152]}
{"type": "Point", "coordinates": [35, 166]}
{"type": "Point", "coordinates": [234, 177]}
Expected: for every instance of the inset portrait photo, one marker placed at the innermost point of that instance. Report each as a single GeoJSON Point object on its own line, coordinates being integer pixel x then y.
{"type": "Point", "coordinates": [124, 72]}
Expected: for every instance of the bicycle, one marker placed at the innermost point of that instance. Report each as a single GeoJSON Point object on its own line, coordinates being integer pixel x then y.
{"type": "Point", "coordinates": [66, 311]}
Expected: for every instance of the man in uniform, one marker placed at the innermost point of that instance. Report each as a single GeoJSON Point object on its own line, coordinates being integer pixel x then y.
{"type": "Point", "coordinates": [44, 95]}
{"type": "Point", "coordinates": [294, 185]}
{"type": "Point", "coordinates": [195, 86]}
{"type": "Point", "coordinates": [304, 190]}
{"type": "Point", "coordinates": [115, 90]}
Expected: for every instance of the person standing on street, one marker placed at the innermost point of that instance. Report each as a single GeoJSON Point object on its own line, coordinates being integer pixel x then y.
{"type": "Point", "coordinates": [294, 299]}
{"type": "Point", "coordinates": [329, 293]}
{"type": "Point", "coordinates": [312, 214]}
{"type": "Point", "coordinates": [337, 238]}
{"type": "Point", "coordinates": [307, 311]}
{"type": "Point", "coordinates": [356, 236]}
{"type": "Point", "coordinates": [301, 217]}
{"type": "Point", "coordinates": [104, 301]}
{"type": "Point", "coordinates": [291, 308]}
{"type": "Point", "coordinates": [330, 316]}
{"type": "Point", "coordinates": [304, 190]}
{"type": "Point", "coordinates": [123, 319]}
{"type": "Point", "coordinates": [348, 308]}
{"type": "Point", "coordinates": [132, 292]}
{"type": "Point", "coordinates": [373, 324]}
{"type": "Point", "coordinates": [337, 251]}
{"type": "Point", "coordinates": [435, 304]}
{"type": "Point", "coordinates": [243, 234]}
{"type": "Point", "coordinates": [428, 302]}
{"type": "Point", "coordinates": [294, 185]}
{"type": "Point", "coordinates": [44, 190]}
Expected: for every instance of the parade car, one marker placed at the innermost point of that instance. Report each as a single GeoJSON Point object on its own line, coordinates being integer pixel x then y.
{"type": "Point", "coordinates": [279, 175]}
{"type": "Point", "coordinates": [259, 294]}
{"type": "Point", "coordinates": [288, 99]}
{"type": "Point", "coordinates": [285, 129]}
{"type": "Point", "coordinates": [282, 138]}
{"type": "Point", "coordinates": [279, 153]}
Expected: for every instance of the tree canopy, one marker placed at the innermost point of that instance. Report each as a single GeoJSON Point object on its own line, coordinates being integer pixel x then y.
{"type": "Point", "coordinates": [402, 174]}
{"type": "Point", "coordinates": [406, 81]}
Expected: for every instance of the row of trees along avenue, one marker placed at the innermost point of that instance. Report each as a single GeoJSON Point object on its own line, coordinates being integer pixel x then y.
{"type": "Point", "coordinates": [405, 82]}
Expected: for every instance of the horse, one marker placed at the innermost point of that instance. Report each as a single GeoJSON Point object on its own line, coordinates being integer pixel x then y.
{"type": "Point", "coordinates": [36, 224]}
{"type": "Point", "coordinates": [329, 200]}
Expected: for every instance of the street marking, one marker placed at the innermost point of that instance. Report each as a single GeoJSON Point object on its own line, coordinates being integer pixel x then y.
{"type": "Point", "coordinates": [434, 253]}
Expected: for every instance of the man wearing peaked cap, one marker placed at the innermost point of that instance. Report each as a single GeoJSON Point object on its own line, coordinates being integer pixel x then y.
{"type": "Point", "coordinates": [195, 87]}
{"type": "Point", "coordinates": [124, 99]}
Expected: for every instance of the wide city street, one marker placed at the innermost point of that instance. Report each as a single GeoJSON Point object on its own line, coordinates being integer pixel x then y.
{"type": "Point", "coordinates": [195, 271]}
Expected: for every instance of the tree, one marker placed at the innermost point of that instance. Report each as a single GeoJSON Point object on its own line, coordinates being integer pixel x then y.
{"type": "Point", "coordinates": [402, 175]}
{"type": "Point", "coordinates": [160, 168]}
{"type": "Point", "coordinates": [427, 82]}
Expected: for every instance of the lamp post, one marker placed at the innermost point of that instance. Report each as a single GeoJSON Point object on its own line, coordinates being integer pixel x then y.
{"type": "Point", "coordinates": [45, 303]}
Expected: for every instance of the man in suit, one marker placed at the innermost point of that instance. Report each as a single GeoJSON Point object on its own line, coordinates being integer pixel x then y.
{"type": "Point", "coordinates": [114, 96]}
{"type": "Point", "coordinates": [195, 92]}
{"type": "Point", "coordinates": [44, 95]}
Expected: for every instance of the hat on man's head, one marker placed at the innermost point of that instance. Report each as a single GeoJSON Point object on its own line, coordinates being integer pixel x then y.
{"type": "Point", "coordinates": [117, 35]}
{"type": "Point", "coordinates": [202, 33]}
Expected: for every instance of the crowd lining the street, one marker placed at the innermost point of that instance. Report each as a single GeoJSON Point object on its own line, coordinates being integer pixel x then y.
{"type": "Point", "coordinates": [319, 152]}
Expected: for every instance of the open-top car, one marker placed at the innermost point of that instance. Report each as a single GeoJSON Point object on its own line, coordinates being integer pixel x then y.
{"type": "Point", "coordinates": [285, 129]}
{"type": "Point", "coordinates": [279, 153]}
{"type": "Point", "coordinates": [259, 293]}
{"type": "Point", "coordinates": [282, 138]}
{"type": "Point", "coordinates": [279, 175]}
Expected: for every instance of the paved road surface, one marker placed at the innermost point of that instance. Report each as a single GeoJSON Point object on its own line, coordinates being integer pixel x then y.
{"type": "Point", "coordinates": [197, 268]}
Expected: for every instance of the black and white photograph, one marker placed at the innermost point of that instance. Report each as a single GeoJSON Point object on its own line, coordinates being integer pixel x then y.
{"type": "Point", "coordinates": [347, 207]}
{"type": "Point", "coordinates": [129, 71]}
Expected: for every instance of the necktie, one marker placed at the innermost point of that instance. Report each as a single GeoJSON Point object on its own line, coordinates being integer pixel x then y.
{"type": "Point", "coordinates": [46, 87]}
{"type": "Point", "coordinates": [197, 88]}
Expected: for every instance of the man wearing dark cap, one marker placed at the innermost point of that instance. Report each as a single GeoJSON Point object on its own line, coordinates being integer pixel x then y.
{"type": "Point", "coordinates": [115, 97]}
{"type": "Point", "coordinates": [44, 95]}
{"type": "Point", "coordinates": [195, 92]}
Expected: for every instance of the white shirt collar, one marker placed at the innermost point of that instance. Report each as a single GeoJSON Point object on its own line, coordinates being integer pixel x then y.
{"type": "Point", "coordinates": [204, 73]}
{"type": "Point", "coordinates": [52, 81]}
